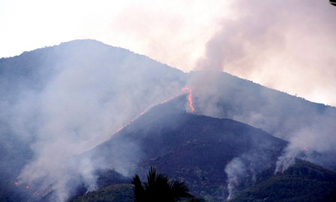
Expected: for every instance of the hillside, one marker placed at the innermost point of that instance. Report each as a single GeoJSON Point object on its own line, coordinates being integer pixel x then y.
{"type": "Point", "coordinates": [58, 103]}
{"type": "Point", "coordinates": [301, 182]}
{"type": "Point", "coordinates": [192, 148]}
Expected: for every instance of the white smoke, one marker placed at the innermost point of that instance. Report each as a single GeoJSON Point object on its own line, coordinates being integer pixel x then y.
{"type": "Point", "coordinates": [242, 171]}
{"type": "Point", "coordinates": [282, 44]}
{"type": "Point", "coordinates": [313, 141]}
{"type": "Point", "coordinates": [235, 171]}
{"type": "Point", "coordinates": [90, 91]}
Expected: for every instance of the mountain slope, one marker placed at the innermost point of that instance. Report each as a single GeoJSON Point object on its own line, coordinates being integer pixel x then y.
{"type": "Point", "coordinates": [193, 148]}
{"type": "Point", "coordinates": [304, 124]}
{"type": "Point", "coordinates": [227, 96]}
{"type": "Point", "coordinates": [199, 150]}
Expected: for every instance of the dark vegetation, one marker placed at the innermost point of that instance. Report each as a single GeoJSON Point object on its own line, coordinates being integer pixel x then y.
{"type": "Point", "coordinates": [112, 193]}
{"type": "Point", "coordinates": [159, 188]}
{"type": "Point", "coordinates": [303, 181]}
{"type": "Point", "coordinates": [110, 177]}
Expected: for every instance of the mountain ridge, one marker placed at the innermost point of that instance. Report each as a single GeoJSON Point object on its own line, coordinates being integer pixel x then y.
{"type": "Point", "coordinates": [79, 92]}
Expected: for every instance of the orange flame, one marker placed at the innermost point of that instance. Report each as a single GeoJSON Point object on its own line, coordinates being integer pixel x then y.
{"type": "Point", "coordinates": [189, 98]}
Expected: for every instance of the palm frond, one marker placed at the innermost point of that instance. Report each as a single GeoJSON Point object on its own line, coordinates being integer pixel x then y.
{"type": "Point", "coordinates": [159, 188]}
{"type": "Point", "coordinates": [139, 191]}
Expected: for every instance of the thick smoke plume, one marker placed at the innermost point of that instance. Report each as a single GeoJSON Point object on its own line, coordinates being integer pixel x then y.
{"type": "Point", "coordinates": [82, 93]}
{"type": "Point", "coordinates": [283, 44]}
{"type": "Point", "coordinates": [273, 43]}
{"type": "Point", "coordinates": [307, 126]}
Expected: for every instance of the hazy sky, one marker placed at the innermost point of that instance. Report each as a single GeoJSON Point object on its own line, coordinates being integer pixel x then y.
{"type": "Point", "coordinates": [288, 45]}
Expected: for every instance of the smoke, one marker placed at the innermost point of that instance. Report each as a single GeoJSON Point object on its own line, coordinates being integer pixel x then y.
{"type": "Point", "coordinates": [282, 44]}
{"type": "Point", "coordinates": [89, 91]}
{"type": "Point", "coordinates": [242, 171]}
{"type": "Point", "coordinates": [305, 125]}
{"type": "Point", "coordinates": [314, 142]}
{"type": "Point", "coordinates": [235, 171]}
{"type": "Point", "coordinates": [81, 94]}
{"type": "Point", "coordinates": [287, 45]}
{"type": "Point", "coordinates": [287, 159]}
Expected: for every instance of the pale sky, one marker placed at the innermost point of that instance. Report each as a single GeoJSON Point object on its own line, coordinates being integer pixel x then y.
{"type": "Point", "coordinates": [289, 45]}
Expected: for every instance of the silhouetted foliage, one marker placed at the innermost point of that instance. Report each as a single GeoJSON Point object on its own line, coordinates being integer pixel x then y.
{"type": "Point", "coordinates": [159, 189]}
{"type": "Point", "coordinates": [112, 193]}
{"type": "Point", "coordinates": [333, 2]}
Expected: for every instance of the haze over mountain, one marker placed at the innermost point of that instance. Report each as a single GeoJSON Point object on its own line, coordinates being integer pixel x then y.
{"type": "Point", "coordinates": [59, 103]}
{"type": "Point", "coordinates": [304, 124]}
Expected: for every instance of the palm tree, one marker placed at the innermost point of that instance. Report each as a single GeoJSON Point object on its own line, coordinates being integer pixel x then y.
{"type": "Point", "coordinates": [159, 189]}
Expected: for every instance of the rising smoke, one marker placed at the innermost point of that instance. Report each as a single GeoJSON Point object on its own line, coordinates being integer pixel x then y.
{"type": "Point", "coordinates": [236, 171]}
{"type": "Point", "coordinates": [272, 43]}
{"type": "Point", "coordinates": [86, 95]}
{"type": "Point", "coordinates": [307, 126]}
{"type": "Point", "coordinates": [89, 91]}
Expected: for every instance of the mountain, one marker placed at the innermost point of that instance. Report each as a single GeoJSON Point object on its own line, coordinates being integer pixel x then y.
{"type": "Point", "coordinates": [58, 103]}
{"type": "Point", "coordinates": [77, 93]}
{"type": "Point", "coordinates": [194, 148]}
{"type": "Point", "coordinates": [199, 150]}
